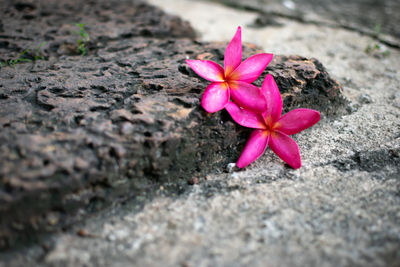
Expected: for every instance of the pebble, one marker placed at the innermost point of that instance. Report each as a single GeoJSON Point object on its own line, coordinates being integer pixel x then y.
{"type": "Point", "coordinates": [231, 167]}
{"type": "Point", "coordinates": [365, 99]}
{"type": "Point", "coordinates": [193, 181]}
{"type": "Point", "coordinates": [126, 128]}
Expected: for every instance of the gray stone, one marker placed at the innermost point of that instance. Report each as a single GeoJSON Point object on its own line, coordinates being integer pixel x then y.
{"type": "Point", "coordinates": [377, 18]}
{"type": "Point", "coordinates": [365, 99]}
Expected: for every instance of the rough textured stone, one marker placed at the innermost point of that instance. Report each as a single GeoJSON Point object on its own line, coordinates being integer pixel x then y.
{"type": "Point", "coordinates": [27, 24]}
{"type": "Point", "coordinates": [70, 124]}
{"type": "Point", "coordinates": [79, 132]}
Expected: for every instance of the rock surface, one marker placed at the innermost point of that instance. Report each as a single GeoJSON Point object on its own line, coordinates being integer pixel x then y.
{"type": "Point", "coordinates": [377, 18]}
{"type": "Point", "coordinates": [81, 132]}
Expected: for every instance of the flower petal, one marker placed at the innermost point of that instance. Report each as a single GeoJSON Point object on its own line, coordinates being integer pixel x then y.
{"type": "Point", "coordinates": [215, 97]}
{"type": "Point", "coordinates": [254, 148]}
{"type": "Point", "coordinates": [273, 98]}
{"type": "Point", "coordinates": [297, 120]}
{"type": "Point", "coordinates": [233, 53]}
{"type": "Point", "coordinates": [207, 69]}
{"type": "Point", "coordinates": [248, 96]}
{"type": "Point", "coordinates": [245, 117]}
{"type": "Point", "coordinates": [251, 68]}
{"type": "Point", "coordinates": [285, 148]}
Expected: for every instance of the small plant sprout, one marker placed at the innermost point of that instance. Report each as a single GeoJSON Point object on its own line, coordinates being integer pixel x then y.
{"type": "Point", "coordinates": [377, 49]}
{"type": "Point", "coordinates": [20, 58]}
{"type": "Point", "coordinates": [83, 39]}
{"type": "Point", "coordinates": [37, 55]}
{"type": "Point", "coordinates": [25, 56]}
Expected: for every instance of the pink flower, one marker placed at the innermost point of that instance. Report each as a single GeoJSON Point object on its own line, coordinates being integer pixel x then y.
{"type": "Point", "coordinates": [234, 79]}
{"type": "Point", "coordinates": [271, 128]}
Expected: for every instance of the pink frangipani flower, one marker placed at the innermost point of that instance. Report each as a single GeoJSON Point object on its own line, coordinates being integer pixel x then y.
{"type": "Point", "coordinates": [272, 129]}
{"type": "Point", "coordinates": [234, 80]}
